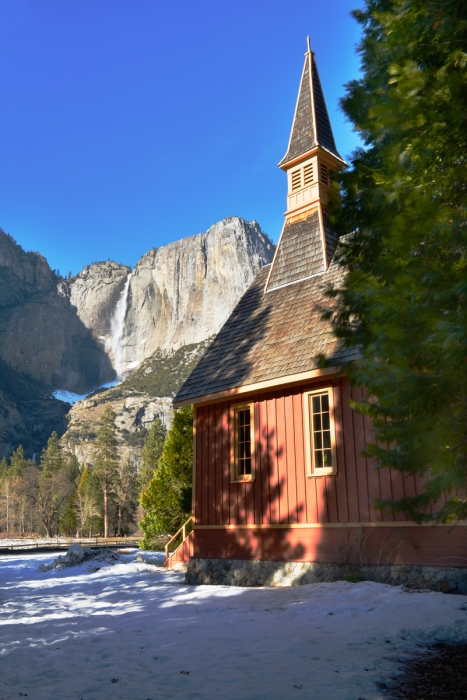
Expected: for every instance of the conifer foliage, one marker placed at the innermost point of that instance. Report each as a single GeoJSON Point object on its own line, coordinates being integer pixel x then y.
{"type": "Point", "coordinates": [167, 500]}
{"type": "Point", "coordinates": [106, 459]}
{"type": "Point", "coordinates": [151, 453]}
{"type": "Point", "coordinates": [404, 301]}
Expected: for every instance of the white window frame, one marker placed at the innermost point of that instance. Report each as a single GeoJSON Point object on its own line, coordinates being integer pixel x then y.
{"type": "Point", "coordinates": [312, 470]}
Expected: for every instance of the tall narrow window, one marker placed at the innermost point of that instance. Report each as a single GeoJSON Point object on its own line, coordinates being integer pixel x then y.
{"type": "Point", "coordinates": [242, 442]}
{"type": "Point", "coordinates": [308, 174]}
{"type": "Point", "coordinates": [320, 432]}
{"type": "Point", "coordinates": [296, 180]}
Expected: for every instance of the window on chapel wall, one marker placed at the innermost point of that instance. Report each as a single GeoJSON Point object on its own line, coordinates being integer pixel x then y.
{"type": "Point", "coordinates": [242, 421]}
{"type": "Point", "coordinates": [320, 432]}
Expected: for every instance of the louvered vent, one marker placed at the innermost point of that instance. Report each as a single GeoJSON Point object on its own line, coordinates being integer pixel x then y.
{"type": "Point", "coordinates": [296, 180]}
{"type": "Point", "coordinates": [324, 174]}
{"type": "Point", "coordinates": [308, 174]}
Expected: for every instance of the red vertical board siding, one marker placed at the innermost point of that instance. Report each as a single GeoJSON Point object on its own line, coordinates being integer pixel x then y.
{"type": "Point", "coordinates": [374, 491]}
{"type": "Point", "coordinates": [211, 466]}
{"type": "Point", "coordinates": [397, 484]}
{"type": "Point", "coordinates": [300, 471]}
{"type": "Point", "coordinates": [331, 499]}
{"type": "Point", "coordinates": [233, 504]}
{"type": "Point", "coordinates": [282, 459]}
{"type": "Point", "coordinates": [218, 472]}
{"type": "Point", "coordinates": [341, 476]}
{"type": "Point", "coordinates": [349, 450]}
{"type": "Point", "coordinates": [225, 452]}
{"type": "Point", "coordinates": [200, 437]}
{"type": "Point", "coordinates": [233, 495]}
{"type": "Point", "coordinates": [272, 454]}
{"type": "Point", "coordinates": [264, 461]}
{"type": "Point", "coordinates": [331, 496]}
{"type": "Point", "coordinates": [241, 504]}
{"type": "Point", "coordinates": [250, 502]}
{"type": "Point", "coordinates": [362, 476]}
{"type": "Point", "coordinates": [205, 468]}
{"type": "Point", "coordinates": [319, 483]}
{"type": "Point", "coordinates": [281, 491]}
{"type": "Point", "coordinates": [409, 486]}
{"type": "Point", "coordinates": [290, 457]}
{"type": "Point", "coordinates": [258, 483]}
{"type": "Point", "coordinates": [385, 484]}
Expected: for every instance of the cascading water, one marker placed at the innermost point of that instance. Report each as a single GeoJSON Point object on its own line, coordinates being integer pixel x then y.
{"type": "Point", "coordinates": [117, 327]}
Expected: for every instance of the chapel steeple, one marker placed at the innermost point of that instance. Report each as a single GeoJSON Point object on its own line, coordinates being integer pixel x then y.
{"type": "Point", "coordinates": [307, 242]}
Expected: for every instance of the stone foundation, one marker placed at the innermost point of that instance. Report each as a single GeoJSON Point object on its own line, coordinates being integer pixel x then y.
{"type": "Point", "coordinates": [243, 572]}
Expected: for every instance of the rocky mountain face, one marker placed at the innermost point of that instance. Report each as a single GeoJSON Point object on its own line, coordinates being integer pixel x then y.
{"type": "Point", "coordinates": [79, 333]}
{"type": "Point", "coordinates": [145, 395]}
{"type": "Point", "coordinates": [177, 295]}
{"type": "Point", "coordinates": [41, 335]}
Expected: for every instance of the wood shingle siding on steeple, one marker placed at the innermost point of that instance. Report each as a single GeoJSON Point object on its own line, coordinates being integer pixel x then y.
{"type": "Point", "coordinates": [330, 237]}
{"type": "Point", "coordinates": [311, 126]}
{"type": "Point", "coordinates": [323, 124]}
{"type": "Point", "coordinates": [300, 253]}
{"type": "Point", "coordinates": [302, 138]}
{"type": "Point", "coordinates": [270, 335]}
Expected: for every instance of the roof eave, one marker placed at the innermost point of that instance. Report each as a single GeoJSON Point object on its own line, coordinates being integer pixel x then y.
{"type": "Point", "coordinates": [287, 380]}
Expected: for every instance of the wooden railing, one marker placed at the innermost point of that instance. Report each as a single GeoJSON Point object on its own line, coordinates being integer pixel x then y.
{"type": "Point", "coordinates": [65, 543]}
{"type": "Point", "coordinates": [184, 536]}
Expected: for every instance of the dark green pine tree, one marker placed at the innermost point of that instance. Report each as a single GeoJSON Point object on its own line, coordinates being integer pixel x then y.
{"type": "Point", "coordinates": [51, 458]}
{"type": "Point", "coordinates": [18, 462]}
{"type": "Point", "coordinates": [404, 301]}
{"type": "Point", "coordinates": [151, 453]}
{"type": "Point", "coordinates": [106, 459]}
{"type": "Point", "coordinates": [167, 500]}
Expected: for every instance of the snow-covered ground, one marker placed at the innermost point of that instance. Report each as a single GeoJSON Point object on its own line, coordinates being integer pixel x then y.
{"type": "Point", "coordinates": [71, 397]}
{"type": "Point", "coordinates": [133, 631]}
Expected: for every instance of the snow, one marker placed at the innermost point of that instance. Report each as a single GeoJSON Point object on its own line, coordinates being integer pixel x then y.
{"type": "Point", "coordinates": [68, 396]}
{"type": "Point", "coordinates": [71, 397]}
{"type": "Point", "coordinates": [128, 631]}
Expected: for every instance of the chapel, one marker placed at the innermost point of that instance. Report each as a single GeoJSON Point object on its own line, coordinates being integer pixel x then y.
{"type": "Point", "coordinates": [278, 472]}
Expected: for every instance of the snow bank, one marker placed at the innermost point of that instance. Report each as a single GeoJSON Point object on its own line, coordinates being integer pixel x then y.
{"type": "Point", "coordinates": [133, 631]}
{"type": "Point", "coordinates": [77, 555]}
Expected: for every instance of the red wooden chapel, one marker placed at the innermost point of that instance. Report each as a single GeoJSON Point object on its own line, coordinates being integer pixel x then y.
{"type": "Point", "coordinates": [278, 472]}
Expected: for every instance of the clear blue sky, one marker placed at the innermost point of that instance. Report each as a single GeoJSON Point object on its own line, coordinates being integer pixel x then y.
{"type": "Point", "coordinates": [127, 124]}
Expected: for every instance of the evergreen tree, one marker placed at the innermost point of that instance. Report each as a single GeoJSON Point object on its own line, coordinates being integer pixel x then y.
{"type": "Point", "coordinates": [51, 458]}
{"type": "Point", "coordinates": [73, 468]}
{"type": "Point", "coordinates": [106, 459]}
{"type": "Point", "coordinates": [18, 462]}
{"type": "Point", "coordinates": [49, 487]}
{"type": "Point", "coordinates": [403, 302]}
{"type": "Point", "coordinates": [151, 453]}
{"type": "Point", "coordinates": [167, 500]}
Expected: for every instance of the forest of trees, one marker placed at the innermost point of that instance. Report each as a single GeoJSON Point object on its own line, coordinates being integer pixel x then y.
{"type": "Point", "coordinates": [60, 496]}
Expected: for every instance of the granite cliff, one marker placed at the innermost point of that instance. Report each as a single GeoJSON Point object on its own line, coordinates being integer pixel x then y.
{"type": "Point", "coordinates": [76, 334]}
{"type": "Point", "coordinates": [41, 334]}
{"type": "Point", "coordinates": [177, 295]}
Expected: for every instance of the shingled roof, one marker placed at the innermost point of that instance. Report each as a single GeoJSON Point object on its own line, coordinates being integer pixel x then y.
{"type": "Point", "coordinates": [270, 335]}
{"type": "Point", "coordinates": [311, 125]}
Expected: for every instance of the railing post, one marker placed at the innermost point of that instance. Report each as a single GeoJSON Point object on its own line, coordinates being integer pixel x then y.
{"type": "Point", "coordinates": [184, 533]}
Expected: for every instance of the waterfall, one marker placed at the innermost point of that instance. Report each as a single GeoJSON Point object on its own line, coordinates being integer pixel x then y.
{"type": "Point", "coordinates": [117, 328]}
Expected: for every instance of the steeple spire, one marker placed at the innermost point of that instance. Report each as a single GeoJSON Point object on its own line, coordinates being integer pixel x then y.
{"type": "Point", "coordinates": [311, 126]}
{"type": "Point", "coordinates": [307, 242]}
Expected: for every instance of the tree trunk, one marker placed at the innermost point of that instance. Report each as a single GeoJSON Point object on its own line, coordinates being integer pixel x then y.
{"type": "Point", "coordinates": [106, 510]}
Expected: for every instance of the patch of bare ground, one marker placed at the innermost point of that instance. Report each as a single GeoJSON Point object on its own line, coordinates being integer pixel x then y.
{"type": "Point", "coordinates": [440, 672]}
